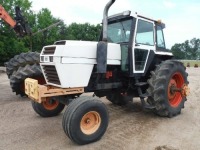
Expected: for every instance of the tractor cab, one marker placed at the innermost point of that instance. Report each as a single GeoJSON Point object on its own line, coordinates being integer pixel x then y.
{"type": "Point", "coordinates": [139, 38]}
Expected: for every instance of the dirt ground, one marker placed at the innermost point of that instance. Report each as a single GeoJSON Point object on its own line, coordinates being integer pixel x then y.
{"type": "Point", "coordinates": [22, 129]}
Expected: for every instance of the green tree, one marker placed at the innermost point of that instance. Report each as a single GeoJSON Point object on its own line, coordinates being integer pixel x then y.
{"type": "Point", "coordinates": [194, 49]}
{"type": "Point", "coordinates": [84, 32]}
{"type": "Point", "coordinates": [10, 45]}
{"type": "Point", "coordinates": [43, 20]}
{"type": "Point", "coordinates": [178, 51]}
{"type": "Point", "coordinates": [188, 50]}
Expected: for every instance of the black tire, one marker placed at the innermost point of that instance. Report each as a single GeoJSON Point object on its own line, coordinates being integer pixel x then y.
{"type": "Point", "coordinates": [21, 60]}
{"type": "Point", "coordinates": [167, 104]}
{"type": "Point", "coordinates": [50, 108]}
{"type": "Point", "coordinates": [18, 77]}
{"type": "Point", "coordinates": [116, 98]}
{"type": "Point", "coordinates": [75, 115]}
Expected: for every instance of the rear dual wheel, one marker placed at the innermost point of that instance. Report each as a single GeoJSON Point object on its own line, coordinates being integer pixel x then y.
{"type": "Point", "coordinates": [21, 60]}
{"type": "Point", "coordinates": [21, 67]}
{"type": "Point", "coordinates": [85, 120]}
{"type": "Point", "coordinates": [18, 77]}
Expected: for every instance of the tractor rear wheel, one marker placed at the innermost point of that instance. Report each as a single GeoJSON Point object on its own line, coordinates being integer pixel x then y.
{"type": "Point", "coordinates": [49, 108]}
{"type": "Point", "coordinates": [22, 66]}
{"type": "Point", "coordinates": [85, 120]}
{"type": "Point", "coordinates": [168, 88]}
{"type": "Point", "coordinates": [21, 60]}
{"type": "Point", "coordinates": [18, 77]}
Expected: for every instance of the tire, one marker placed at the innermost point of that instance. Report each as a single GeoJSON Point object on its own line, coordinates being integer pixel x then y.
{"type": "Point", "coordinates": [51, 107]}
{"type": "Point", "coordinates": [21, 60]}
{"type": "Point", "coordinates": [18, 77]}
{"type": "Point", "coordinates": [117, 99]}
{"type": "Point", "coordinates": [168, 74]}
{"type": "Point", "coordinates": [85, 120]}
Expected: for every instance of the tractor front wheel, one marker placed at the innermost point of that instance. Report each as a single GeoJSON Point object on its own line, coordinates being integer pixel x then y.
{"type": "Point", "coordinates": [49, 108]}
{"type": "Point", "coordinates": [85, 120]}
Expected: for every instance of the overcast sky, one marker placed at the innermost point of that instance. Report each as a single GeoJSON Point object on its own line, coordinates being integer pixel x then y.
{"type": "Point", "coordinates": [182, 17]}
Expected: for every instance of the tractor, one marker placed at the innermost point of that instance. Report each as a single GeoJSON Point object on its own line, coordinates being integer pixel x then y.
{"type": "Point", "coordinates": [130, 60]}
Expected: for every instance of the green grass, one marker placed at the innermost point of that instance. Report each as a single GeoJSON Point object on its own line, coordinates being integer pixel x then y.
{"type": "Point", "coordinates": [191, 62]}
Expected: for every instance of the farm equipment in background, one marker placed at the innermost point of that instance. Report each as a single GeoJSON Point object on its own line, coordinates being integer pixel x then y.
{"type": "Point", "coordinates": [26, 64]}
{"type": "Point", "coordinates": [130, 60]}
{"type": "Point", "coordinates": [19, 24]}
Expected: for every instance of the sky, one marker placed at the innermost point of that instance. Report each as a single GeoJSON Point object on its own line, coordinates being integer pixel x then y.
{"type": "Point", "coordinates": [182, 17]}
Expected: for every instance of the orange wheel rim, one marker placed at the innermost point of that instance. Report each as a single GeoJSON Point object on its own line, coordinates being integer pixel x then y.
{"type": "Point", "coordinates": [50, 104]}
{"type": "Point", "coordinates": [176, 81]}
{"type": "Point", "coordinates": [90, 122]}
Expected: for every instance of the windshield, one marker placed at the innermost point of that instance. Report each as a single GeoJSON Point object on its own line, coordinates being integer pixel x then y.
{"type": "Point", "coordinates": [119, 32]}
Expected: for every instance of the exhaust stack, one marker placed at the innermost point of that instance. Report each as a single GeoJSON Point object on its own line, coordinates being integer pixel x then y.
{"type": "Point", "coordinates": [102, 45]}
{"type": "Point", "coordinates": [105, 19]}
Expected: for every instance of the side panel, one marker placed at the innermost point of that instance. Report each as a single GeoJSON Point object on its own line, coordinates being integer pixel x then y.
{"type": "Point", "coordinates": [74, 75]}
{"type": "Point", "coordinates": [69, 75]}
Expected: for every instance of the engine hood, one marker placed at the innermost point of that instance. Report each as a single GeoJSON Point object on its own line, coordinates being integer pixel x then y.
{"type": "Point", "coordinates": [80, 49]}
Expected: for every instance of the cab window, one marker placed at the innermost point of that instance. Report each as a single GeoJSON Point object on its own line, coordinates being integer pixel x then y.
{"type": "Point", "coordinates": [119, 32]}
{"type": "Point", "coordinates": [160, 38]}
{"type": "Point", "coordinates": [145, 34]}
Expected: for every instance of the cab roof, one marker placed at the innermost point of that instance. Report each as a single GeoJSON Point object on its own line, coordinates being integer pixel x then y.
{"type": "Point", "coordinates": [127, 14]}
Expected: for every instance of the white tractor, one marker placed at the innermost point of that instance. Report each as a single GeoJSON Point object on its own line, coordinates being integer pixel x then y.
{"type": "Point", "coordinates": [130, 60]}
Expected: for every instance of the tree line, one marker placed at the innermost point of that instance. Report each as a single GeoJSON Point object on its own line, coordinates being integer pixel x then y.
{"type": "Point", "coordinates": [10, 45]}
{"type": "Point", "coordinates": [188, 50]}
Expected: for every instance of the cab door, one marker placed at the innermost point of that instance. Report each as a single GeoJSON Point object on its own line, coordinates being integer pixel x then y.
{"type": "Point", "coordinates": [144, 41]}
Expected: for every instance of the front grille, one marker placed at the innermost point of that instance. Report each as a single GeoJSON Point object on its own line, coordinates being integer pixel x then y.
{"type": "Point", "coordinates": [43, 60]}
{"type": "Point", "coordinates": [49, 50]}
{"type": "Point", "coordinates": [51, 74]}
{"type": "Point", "coordinates": [51, 58]}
